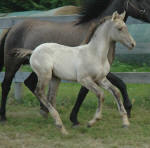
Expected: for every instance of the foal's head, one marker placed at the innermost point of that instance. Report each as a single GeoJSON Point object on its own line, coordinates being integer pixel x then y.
{"type": "Point", "coordinates": [119, 31]}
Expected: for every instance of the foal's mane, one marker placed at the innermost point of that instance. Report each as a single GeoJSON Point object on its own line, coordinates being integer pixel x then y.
{"type": "Point", "coordinates": [91, 9]}
{"type": "Point", "coordinates": [93, 27]}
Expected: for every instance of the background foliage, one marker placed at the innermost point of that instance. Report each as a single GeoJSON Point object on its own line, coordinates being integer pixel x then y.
{"type": "Point", "coordinates": [24, 5]}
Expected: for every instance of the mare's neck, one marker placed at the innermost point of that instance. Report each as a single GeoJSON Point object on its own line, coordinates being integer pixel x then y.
{"type": "Point", "coordinates": [116, 5]}
{"type": "Point", "coordinates": [100, 42]}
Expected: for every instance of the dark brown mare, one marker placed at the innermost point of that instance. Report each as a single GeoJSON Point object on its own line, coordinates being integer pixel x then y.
{"type": "Point", "coordinates": [30, 33]}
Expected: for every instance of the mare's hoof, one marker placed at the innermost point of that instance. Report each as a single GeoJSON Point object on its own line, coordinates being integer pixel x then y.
{"type": "Point", "coordinates": [44, 114]}
{"type": "Point", "coordinates": [128, 110]}
{"type": "Point", "coordinates": [129, 114]}
{"type": "Point", "coordinates": [75, 125]}
{"type": "Point", "coordinates": [3, 120]}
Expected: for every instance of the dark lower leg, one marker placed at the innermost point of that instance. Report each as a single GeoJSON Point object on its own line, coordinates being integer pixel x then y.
{"type": "Point", "coordinates": [123, 89]}
{"type": "Point", "coordinates": [81, 96]}
{"type": "Point", "coordinates": [31, 83]}
{"type": "Point", "coordinates": [5, 90]}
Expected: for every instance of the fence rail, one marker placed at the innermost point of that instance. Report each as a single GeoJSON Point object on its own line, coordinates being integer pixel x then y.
{"type": "Point", "coordinates": [128, 77]}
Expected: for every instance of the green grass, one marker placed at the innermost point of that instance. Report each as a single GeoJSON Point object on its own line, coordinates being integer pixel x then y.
{"type": "Point", "coordinates": [118, 66]}
{"type": "Point", "coordinates": [26, 128]}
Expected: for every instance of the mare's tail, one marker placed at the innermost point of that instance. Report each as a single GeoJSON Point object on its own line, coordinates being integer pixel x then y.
{"type": "Point", "coordinates": [2, 43]}
{"type": "Point", "coordinates": [21, 53]}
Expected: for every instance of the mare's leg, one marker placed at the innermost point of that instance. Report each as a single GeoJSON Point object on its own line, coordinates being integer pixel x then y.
{"type": "Point", "coordinates": [108, 86]}
{"type": "Point", "coordinates": [11, 67]}
{"type": "Point", "coordinates": [123, 89]}
{"type": "Point", "coordinates": [92, 86]}
{"type": "Point", "coordinates": [81, 96]}
{"type": "Point", "coordinates": [31, 83]}
{"type": "Point", "coordinates": [39, 92]}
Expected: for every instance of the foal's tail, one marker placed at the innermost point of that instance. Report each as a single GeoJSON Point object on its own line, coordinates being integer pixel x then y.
{"type": "Point", "coordinates": [2, 43]}
{"type": "Point", "coordinates": [21, 53]}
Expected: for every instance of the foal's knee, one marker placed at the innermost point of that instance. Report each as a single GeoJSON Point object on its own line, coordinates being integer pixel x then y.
{"type": "Point", "coordinates": [100, 95]}
{"type": "Point", "coordinates": [115, 92]}
{"type": "Point", "coordinates": [38, 92]}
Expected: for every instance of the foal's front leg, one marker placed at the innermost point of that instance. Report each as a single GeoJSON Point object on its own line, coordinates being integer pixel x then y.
{"type": "Point", "coordinates": [123, 89]}
{"type": "Point", "coordinates": [108, 86]}
{"type": "Point", "coordinates": [92, 86]}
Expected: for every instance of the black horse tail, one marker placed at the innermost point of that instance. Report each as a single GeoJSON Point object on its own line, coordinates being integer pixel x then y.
{"type": "Point", "coordinates": [2, 43]}
{"type": "Point", "coordinates": [21, 53]}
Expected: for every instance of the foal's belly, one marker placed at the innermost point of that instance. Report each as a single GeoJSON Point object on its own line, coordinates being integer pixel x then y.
{"type": "Point", "coordinates": [64, 73]}
{"type": "Point", "coordinates": [65, 69]}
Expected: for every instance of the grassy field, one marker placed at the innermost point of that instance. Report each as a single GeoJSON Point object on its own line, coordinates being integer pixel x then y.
{"type": "Point", "coordinates": [25, 127]}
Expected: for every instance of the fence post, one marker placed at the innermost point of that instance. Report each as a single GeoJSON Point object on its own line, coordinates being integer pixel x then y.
{"type": "Point", "coordinates": [18, 91]}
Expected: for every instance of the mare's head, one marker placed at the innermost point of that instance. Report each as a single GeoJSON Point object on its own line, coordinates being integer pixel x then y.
{"type": "Point", "coordinates": [92, 9]}
{"type": "Point", "coordinates": [119, 32]}
{"type": "Point", "coordinates": [139, 9]}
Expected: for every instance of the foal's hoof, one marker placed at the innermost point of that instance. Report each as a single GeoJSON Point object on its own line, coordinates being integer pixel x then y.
{"type": "Point", "coordinates": [64, 131]}
{"type": "Point", "coordinates": [89, 126]}
{"type": "Point", "coordinates": [128, 110]}
{"type": "Point", "coordinates": [44, 114]}
{"type": "Point", "coordinates": [91, 123]}
{"type": "Point", "coordinates": [125, 126]}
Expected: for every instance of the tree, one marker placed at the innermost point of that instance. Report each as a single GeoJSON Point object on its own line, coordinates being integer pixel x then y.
{"type": "Point", "coordinates": [24, 5]}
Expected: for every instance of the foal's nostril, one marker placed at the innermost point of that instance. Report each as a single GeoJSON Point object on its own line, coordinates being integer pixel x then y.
{"type": "Point", "coordinates": [132, 45]}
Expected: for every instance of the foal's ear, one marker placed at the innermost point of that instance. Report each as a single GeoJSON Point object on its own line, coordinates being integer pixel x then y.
{"type": "Point", "coordinates": [122, 15]}
{"type": "Point", "coordinates": [115, 16]}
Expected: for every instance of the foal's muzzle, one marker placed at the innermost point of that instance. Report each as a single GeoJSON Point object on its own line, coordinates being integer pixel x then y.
{"type": "Point", "coordinates": [132, 45]}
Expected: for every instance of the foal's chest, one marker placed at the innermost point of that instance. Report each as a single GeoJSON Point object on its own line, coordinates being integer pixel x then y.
{"type": "Point", "coordinates": [101, 71]}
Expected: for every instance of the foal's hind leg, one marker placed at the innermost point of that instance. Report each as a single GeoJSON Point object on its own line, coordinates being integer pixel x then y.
{"type": "Point", "coordinates": [91, 85]}
{"type": "Point", "coordinates": [39, 91]}
{"type": "Point", "coordinates": [31, 83]}
{"type": "Point", "coordinates": [11, 67]}
{"type": "Point", "coordinates": [107, 85]}
{"type": "Point", "coordinates": [52, 91]}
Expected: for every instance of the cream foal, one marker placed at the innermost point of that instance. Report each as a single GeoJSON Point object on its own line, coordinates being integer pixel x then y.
{"type": "Point", "coordinates": [87, 64]}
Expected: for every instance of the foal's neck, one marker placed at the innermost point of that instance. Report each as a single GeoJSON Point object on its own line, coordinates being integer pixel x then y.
{"type": "Point", "coordinates": [101, 42]}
